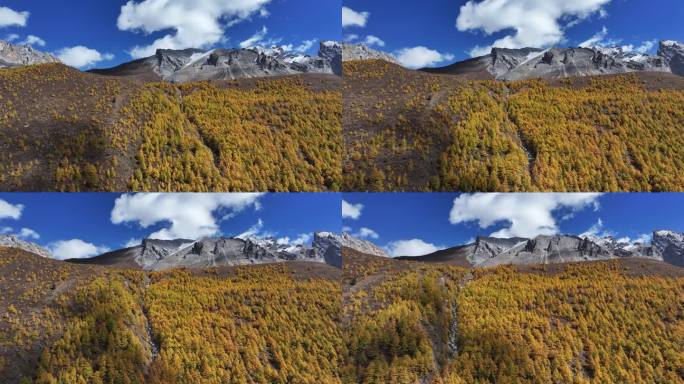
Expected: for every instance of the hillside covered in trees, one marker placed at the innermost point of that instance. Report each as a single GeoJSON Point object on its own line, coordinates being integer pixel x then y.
{"type": "Point", "coordinates": [616, 321]}
{"type": "Point", "coordinates": [64, 130]}
{"type": "Point", "coordinates": [71, 323]}
{"type": "Point", "coordinates": [415, 131]}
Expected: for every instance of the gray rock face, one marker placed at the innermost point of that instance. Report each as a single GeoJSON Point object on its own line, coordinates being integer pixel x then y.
{"type": "Point", "coordinates": [228, 64]}
{"type": "Point", "coordinates": [12, 241]}
{"type": "Point", "coordinates": [329, 246]}
{"type": "Point", "coordinates": [346, 240]}
{"type": "Point", "coordinates": [673, 53]}
{"type": "Point", "coordinates": [548, 250]}
{"type": "Point", "coordinates": [486, 248]}
{"type": "Point", "coordinates": [332, 52]}
{"type": "Point", "coordinates": [556, 63]}
{"type": "Point", "coordinates": [669, 246]}
{"type": "Point", "coordinates": [158, 255]}
{"type": "Point", "coordinates": [666, 246]}
{"type": "Point", "coordinates": [352, 52]}
{"type": "Point", "coordinates": [21, 55]}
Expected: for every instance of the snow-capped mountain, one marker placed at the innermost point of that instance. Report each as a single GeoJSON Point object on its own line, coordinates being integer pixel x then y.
{"type": "Point", "coordinates": [667, 246]}
{"type": "Point", "coordinates": [228, 64]}
{"type": "Point", "coordinates": [554, 63]}
{"type": "Point", "coordinates": [155, 255]}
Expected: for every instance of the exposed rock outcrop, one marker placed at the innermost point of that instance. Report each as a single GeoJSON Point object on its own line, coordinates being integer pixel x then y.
{"type": "Point", "coordinates": [667, 246]}
{"type": "Point", "coordinates": [20, 55]}
{"type": "Point", "coordinates": [155, 255]}
{"type": "Point", "coordinates": [229, 64]}
{"type": "Point", "coordinates": [352, 52]}
{"type": "Point", "coordinates": [556, 63]}
{"type": "Point", "coordinates": [12, 241]}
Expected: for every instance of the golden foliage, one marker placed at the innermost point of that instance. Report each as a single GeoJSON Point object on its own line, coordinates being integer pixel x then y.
{"type": "Point", "coordinates": [588, 323]}
{"type": "Point", "coordinates": [407, 130]}
{"type": "Point", "coordinates": [77, 131]}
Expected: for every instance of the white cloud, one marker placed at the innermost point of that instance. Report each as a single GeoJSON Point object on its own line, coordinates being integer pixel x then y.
{"type": "Point", "coordinates": [419, 57]}
{"type": "Point", "coordinates": [366, 233]}
{"type": "Point", "coordinates": [645, 47]}
{"type": "Point", "coordinates": [196, 24]}
{"type": "Point", "coordinates": [81, 56]}
{"type": "Point", "coordinates": [352, 18]}
{"type": "Point", "coordinates": [597, 230]}
{"type": "Point", "coordinates": [187, 215]}
{"type": "Point", "coordinates": [351, 211]}
{"type": "Point", "coordinates": [254, 39]}
{"type": "Point", "coordinates": [33, 40]}
{"type": "Point", "coordinates": [644, 238]}
{"type": "Point", "coordinates": [132, 243]}
{"type": "Point", "coordinates": [10, 17]}
{"type": "Point", "coordinates": [10, 211]}
{"type": "Point", "coordinates": [351, 37]}
{"type": "Point", "coordinates": [537, 23]}
{"type": "Point", "coordinates": [253, 231]}
{"type": "Point", "coordinates": [11, 37]}
{"type": "Point", "coordinates": [301, 239]}
{"type": "Point", "coordinates": [28, 233]}
{"type": "Point", "coordinates": [346, 229]}
{"type": "Point", "coordinates": [302, 48]}
{"type": "Point", "coordinates": [75, 249]}
{"type": "Point", "coordinates": [374, 40]}
{"type": "Point", "coordinates": [596, 39]}
{"type": "Point", "coordinates": [305, 46]}
{"type": "Point", "coordinates": [413, 247]}
{"type": "Point", "coordinates": [526, 214]}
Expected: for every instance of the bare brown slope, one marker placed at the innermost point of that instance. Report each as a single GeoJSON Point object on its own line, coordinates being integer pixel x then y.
{"type": "Point", "coordinates": [65, 130]}
{"type": "Point", "coordinates": [456, 256]}
{"type": "Point", "coordinates": [57, 126]}
{"type": "Point", "coordinates": [32, 287]}
{"type": "Point", "coordinates": [471, 69]}
{"type": "Point", "coordinates": [121, 258]}
{"type": "Point", "coordinates": [137, 69]}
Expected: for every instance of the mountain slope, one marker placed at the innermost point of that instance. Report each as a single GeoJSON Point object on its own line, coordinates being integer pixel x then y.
{"type": "Point", "coordinates": [190, 65]}
{"type": "Point", "coordinates": [415, 131]}
{"type": "Point", "coordinates": [65, 130]}
{"type": "Point", "coordinates": [666, 246]}
{"type": "Point", "coordinates": [65, 322]}
{"type": "Point", "coordinates": [158, 255]}
{"type": "Point", "coordinates": [414, 322]}
{"type": "Point", "coordinates": [352, 52]}
{"type": "Point", "coordinates": [557, 63]}
{"type": "Point", "coordinates": [11, 241]}
{"type": "Point", "coordinates": [20, 55]}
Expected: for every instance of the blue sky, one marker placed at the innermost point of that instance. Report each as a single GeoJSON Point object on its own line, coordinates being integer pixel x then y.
{"type": "Point", "coordinates": [444, 219]}
{"type": "Point", "coordinates": [433, 25]}
{"type": "Point", "coordinates": [110, 221]}
{"type": "Point", "coordinates": [226, 23]}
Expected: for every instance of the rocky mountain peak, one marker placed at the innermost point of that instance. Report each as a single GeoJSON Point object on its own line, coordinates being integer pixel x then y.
{"type": "Point", "coordinates": [555, 63]}
{"type": "Point", "coordinates": [673, 53]}
{"type": "Point", "coordinates": [669, 246]}
{"type": "Point", "coordinates": [20, 55]}
{"type": "Point", "coordinates": [332, 51]}
{"type": "Point", "coordinates": [12, 241]}
{"type": "Point", "coordinates": [155, 254]}
{"type": "Point", "coordinates": [352, 52]}
{"type": "Point", "coordinates": [232, 63]}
